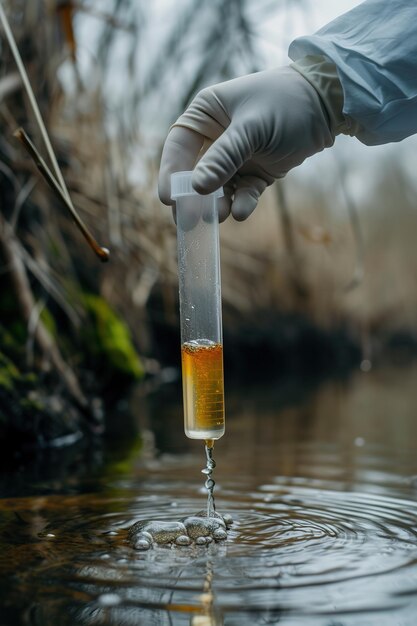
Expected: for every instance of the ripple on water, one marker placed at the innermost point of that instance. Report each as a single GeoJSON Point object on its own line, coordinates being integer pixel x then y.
{"type": "Point", "coordinates": [293, 552]}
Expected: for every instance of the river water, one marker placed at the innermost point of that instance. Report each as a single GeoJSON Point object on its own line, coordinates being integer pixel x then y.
{"type": "Point", "coordinates": [321, 483]}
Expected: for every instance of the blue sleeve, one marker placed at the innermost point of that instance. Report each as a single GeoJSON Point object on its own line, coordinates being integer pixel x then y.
{"type": "Point", "coordinates": [374, 49]}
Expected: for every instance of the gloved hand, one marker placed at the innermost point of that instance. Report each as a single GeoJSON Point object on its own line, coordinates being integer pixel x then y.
{"type": "Point", "coordinates": [243, 134]}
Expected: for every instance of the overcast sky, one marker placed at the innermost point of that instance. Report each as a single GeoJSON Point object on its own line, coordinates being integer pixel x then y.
{"type": "Point", "coordinates": [277, 31]}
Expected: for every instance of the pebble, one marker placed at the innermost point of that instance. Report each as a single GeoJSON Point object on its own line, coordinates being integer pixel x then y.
{"type": "Point", "coordinates": [228, 520]}
{"type": "Point", "coordinates": [200, 541]}
{"type": "Point", "coordinates": [202, 526]}
{"type": "Point", "coordinates": [142, 544]}
{"type": "Point", "coordinates": [183, 540]}
{"type": "Point", "coordinates": [220, 534]}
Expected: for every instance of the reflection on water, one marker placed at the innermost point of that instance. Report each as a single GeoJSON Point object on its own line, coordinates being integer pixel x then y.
{"type": "Point", "coordinates": [322, 488]}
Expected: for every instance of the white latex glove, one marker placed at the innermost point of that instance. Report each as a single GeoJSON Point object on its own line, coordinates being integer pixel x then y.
{"type": "Point", "coordinates": [259, 127]}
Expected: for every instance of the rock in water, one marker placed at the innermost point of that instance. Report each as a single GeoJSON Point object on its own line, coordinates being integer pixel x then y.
{"type": "Point", "coordinates": [198, 529]}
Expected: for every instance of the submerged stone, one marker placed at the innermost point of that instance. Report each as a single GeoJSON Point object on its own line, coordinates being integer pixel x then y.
{"type": "Point", "coordinates": [160, 532]}
{"type": "Point", "coordinates": [228, 520]}
{"type": "Point", "coordinates": [142, 543]}
{"type": "Point", "coordinates": [202, 526]}
{"type": "Point", "coordinates": [220, 534]}
{"type": "Point", "coordinates": [198, 529]}
{"type": "Point", "coordinates": [183, 540]}
{"type": "Point", "coordinates": [200, 541]}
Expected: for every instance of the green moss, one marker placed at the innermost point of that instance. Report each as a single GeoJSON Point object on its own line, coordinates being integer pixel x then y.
{"type": "Point", "coordinates": [9, 344]}
{"type": "Point", "coordinates": [29, 404]}
{"type": "Point", "coordinates": [124, 461]}
{"type": "Point", "coordinates": [109, 340]}
{"type": "Point", "coordinates": [8, 373]}
{"type": "Point", "coordinates": [18, 330]}
{"type": "Point", "coordinates": [48, 322]}
{"type": "Point", "coordinates": [5, 381]}
{"type": "Point", "coordinates": [30, 379]}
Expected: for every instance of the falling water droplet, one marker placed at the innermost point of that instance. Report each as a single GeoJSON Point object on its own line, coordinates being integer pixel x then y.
{"type": "Point", "coordinates": [209, 484]}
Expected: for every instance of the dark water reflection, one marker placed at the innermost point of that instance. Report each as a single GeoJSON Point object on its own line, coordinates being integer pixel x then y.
{"type": "Point", "coordinates": [323, 488]}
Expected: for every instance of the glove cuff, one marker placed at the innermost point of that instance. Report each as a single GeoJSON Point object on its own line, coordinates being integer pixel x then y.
{"type": "Point", "coordinates": [321, 73]}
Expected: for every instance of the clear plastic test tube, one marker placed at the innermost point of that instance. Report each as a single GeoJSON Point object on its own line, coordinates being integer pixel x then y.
{"type": "Point", "coordinates": [200, 309]}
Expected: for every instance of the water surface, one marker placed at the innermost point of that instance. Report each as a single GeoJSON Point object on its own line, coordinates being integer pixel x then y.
{"type": "Point", "coordinates": [322, 486]}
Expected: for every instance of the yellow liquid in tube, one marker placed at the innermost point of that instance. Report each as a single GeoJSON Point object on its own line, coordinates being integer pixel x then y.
{"type": "Point", "coordinates": [203, 389]}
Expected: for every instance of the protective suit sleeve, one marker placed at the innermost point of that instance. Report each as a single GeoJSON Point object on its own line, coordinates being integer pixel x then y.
{"type": "Point", "coordinates": [373, 48]}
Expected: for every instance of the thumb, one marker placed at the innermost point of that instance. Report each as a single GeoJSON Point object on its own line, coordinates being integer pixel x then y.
{"type": "Point", "coordinates": [222, 160]}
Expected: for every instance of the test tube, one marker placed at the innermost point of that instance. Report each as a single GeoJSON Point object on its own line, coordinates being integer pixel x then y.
{"type": "Point", "coordinates": [200, 309]}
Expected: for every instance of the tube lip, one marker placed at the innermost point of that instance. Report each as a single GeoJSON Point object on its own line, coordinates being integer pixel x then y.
{"type": "Point", "coordinates": [181, 186]}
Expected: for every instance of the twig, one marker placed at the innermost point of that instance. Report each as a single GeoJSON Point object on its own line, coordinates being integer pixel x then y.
{"type": "Point", "coordinates": [29, 91]}
{"type": "Point", "coordinates": [21, 198]}
{"type": "Point", "coordinates": [50, 285]}
{"type": "Point", "coordinates": [59, 187]}
{"type": "Point", "coordinates": [20, 134]}
{"type": "Point", "coordinates": [26, 302]}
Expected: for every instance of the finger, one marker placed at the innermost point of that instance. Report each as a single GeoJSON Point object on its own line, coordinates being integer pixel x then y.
{"type": "Point", "coordinates": [224, 203]}
{"type": "Point", "coordinates": [180, 153]}
{"type": "Point", "coordinates": [222, 160]}
{"type": "Point", "coordinates": [246, 196]}
{"type": "Point", "coordinates": [205, 114]}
